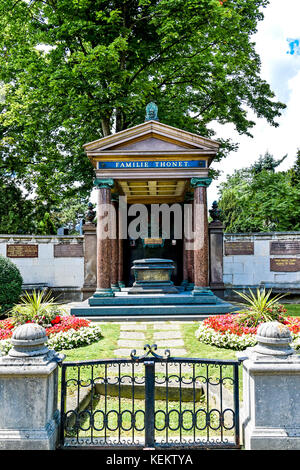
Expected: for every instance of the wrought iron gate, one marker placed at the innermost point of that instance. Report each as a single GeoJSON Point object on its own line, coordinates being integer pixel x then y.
{"type": "Point", "coordinates": [150, 401]}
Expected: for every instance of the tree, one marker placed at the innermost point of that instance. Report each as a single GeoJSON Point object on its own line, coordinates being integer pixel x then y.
{"type": "Point", "coordinates": [256, 201]}
{"type": "Point", "coordinates": [295, 170]}
{"type": "Point", "coordinates": [266, 162]}
{"type": "Point", "coordinates": [76, 70]}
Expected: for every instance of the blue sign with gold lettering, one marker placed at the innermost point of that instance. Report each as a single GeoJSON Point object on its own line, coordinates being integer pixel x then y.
{"type": "Point", "coordinates": [152, 164]}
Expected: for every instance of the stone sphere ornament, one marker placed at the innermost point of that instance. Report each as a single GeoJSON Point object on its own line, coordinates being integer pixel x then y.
{"type": "Point", "coordinates": [29, 340]}
{"type": "Point", "coordinates": [273, 338]}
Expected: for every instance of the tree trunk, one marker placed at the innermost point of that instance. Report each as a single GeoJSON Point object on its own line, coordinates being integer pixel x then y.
{"type": "Point", "coordinates": [105, 123]}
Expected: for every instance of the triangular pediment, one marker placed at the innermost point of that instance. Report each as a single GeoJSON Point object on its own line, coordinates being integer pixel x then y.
{"type": "Point", "coordinates": [148, 144]}
{"type": "Point", "coordinates": [151, 136]}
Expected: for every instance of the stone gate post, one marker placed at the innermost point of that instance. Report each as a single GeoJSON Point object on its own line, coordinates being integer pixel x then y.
{"type": "Point", "coordinates": [29, 416]}
{"type": "Point", "coordinates": [271, 391]}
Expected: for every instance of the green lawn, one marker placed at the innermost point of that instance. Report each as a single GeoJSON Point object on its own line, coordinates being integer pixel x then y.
{"type": "Point", "coordinates": [104, 349]}
{"type": "Point", "coordinates": [293, 309]}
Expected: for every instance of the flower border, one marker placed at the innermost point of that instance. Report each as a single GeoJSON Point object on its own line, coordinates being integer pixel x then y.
{"type": "Point", "coordinates": [229, 340]}
{"type": "Point", "coordinates": [83, 334]}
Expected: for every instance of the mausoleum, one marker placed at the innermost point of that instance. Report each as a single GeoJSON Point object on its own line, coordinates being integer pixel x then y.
{"type": "Point", "coordinates": [150, 252]}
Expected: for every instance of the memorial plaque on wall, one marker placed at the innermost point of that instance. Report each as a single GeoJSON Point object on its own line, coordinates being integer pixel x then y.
{"type": "Point", "coordinates": [239, 248]}
{"type": "Point", "coordinates": [285, 264]}
{"type": "Point", "coordinates": [22, 251]}
{"type": "Point", "coordinates": [287, 247]}
{"type": "Point", "coordinates": [68, 250]}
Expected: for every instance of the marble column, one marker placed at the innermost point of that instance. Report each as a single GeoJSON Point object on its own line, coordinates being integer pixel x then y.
{"type": "Point", "coordinates": [201, 241]}
{"type": "Point", "coordinates": [122, 234]}
{"type": "Point", "coordinates": [103, 238]}
{"type": "Point", "coordinates": [120, 265]}
{"type": "Point", "coordinates": [188, 254]}
{"type": "Point", "coordinates": [115, 248]}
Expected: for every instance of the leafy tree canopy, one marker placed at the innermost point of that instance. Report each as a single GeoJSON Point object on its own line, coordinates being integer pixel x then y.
{"type": "Point", "coordinates": [254, 200]}
{"type": "Point", "coordinates": [75, 70]}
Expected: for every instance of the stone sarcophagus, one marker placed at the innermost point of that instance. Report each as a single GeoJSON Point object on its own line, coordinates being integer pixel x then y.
{"type": "Point", "coordinates": [153, 276]}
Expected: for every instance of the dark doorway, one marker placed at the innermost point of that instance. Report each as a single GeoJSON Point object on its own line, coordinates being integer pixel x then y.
{"type": "Point", "coordinates": [170, 248]}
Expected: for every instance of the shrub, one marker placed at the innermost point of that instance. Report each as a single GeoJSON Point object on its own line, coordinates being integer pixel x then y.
{"type": "Point", "coordinates": [260, 308]}
{"type": "Point", "coordinates": [10, 284]}
{"type": "Point", "coordinates": [39, 307]}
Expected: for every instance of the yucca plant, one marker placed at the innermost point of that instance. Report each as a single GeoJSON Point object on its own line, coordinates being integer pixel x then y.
{"type": "Point", "coordinates": [260, 307]}
{"type": "Point", "coordinates": [39, 307]}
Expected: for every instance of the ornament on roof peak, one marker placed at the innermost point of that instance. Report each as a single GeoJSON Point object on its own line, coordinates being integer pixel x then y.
{"type": "Point", "coordinates": [151, 112]}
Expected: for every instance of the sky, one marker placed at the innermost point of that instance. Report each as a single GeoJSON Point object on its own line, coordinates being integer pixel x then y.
{"type": "Point", "coordinates": [282, 71]}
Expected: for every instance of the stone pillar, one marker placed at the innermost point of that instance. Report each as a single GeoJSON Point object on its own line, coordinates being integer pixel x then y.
{"type": "Point", "coordinates": [184, 265]}
{"type": "Point", "coordinates": [104, 238]}
{"type": "Point", "coordinates": [121, 264]}
{"type": "Point", "coordinates": [188, 253]}
{"type": "Point", "coordinates": [215, 229]}
{"type": "Point", "coordinates": [271, 391]}
{"type": "Point", "coordinates": [201, 242]}
{"type": "Point", "coordinates": [90, 260]}
{"type": "Point", "coordinates": [29, 417]}
{"type": "Point", "coordinates": [115, 249]}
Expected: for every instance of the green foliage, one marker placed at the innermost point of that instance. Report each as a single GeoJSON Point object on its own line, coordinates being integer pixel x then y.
{"type": "Point", "coordinates": [266, 162]}
{"type": "Point", "coordinates": [10, 284]}
{"type": "Point", "coordinates": [295, 171]}
{"type": "Point", "coordinates": [260, 201]}
{"type": "Point", "coordinates": [39, 307]}
{"type": "Point", "coordinates": [259, 308]}
{"type": "Point", "coordinates": [73, 71]}
{"type": "Point", "coordinates": [69, 215]}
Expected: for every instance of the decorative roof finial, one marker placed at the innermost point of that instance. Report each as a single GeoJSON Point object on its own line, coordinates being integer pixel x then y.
{"type": "Point", "coordinates": [215, 212]}
{"type": "Point", "coordinates": [151, 112]}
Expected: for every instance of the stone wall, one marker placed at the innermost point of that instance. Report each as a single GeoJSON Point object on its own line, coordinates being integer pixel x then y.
{"type": "Point", "coordinates": [270, 259]}
{"type": "Point", "coordinates": [52, 261]}
{"type": "Point", "coordinates": [249, 260]}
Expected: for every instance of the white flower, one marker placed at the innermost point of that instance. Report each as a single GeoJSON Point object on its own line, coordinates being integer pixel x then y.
{"type": "Point", "coordinates": [64, 339]}
{"type": "Point", "coordinates": [231, 341]}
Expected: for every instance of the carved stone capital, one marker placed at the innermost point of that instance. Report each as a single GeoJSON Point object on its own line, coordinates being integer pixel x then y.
{"type": "Point", "coordinates": [107, 183]}
{"type": "Point", "coordinates": [203, 182]}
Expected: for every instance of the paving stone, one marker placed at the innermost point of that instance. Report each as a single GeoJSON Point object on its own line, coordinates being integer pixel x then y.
{"type": "Point", "coordinates": [125, 352]}
{"type": "Point", "coordinates": [130, 343]}
{"type": "Point", "coordinates": [178, 352]}
{"type": "Point", "coordinates": [129, 327]}
{"type": "Point", "coordinates": [166, 334]}
{"type": "Point", "coordinates": [169, 343]}
{"type": "Point", "coordinates": [166, 326]}
{"type": "Point", "coordinates": [132, 334]}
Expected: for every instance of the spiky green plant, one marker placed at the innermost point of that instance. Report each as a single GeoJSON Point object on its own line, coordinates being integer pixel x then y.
{"type": "Point", "coordinates": [260, 307]}
{"type": "Point", "coordinates": [39, 307]}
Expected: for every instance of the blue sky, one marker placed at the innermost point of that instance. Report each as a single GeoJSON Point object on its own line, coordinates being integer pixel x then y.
{"type": "Point", "coordinates": [282, 71]}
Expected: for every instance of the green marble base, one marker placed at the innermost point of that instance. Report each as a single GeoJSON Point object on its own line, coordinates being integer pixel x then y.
{"type": "Point", "coordinates": [202, 291]}
{"type": "Point", "coordinates": [103, 293]}
{"type": "Point", "coordinates": [175, 305]}
{"type": "Point", "coordinates": [115, 287]}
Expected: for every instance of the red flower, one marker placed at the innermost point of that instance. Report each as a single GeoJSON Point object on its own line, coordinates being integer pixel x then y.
{"type": "Point", "coordinates": [67, 323]}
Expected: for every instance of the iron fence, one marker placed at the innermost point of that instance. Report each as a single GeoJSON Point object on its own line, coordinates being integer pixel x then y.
{"type": "Point", "coordinates": [151, 401]}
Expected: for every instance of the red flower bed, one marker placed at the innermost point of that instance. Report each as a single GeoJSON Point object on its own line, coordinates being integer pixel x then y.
{"type": "Point", "coordinates": [67, 323]}
{"type": "Point", "coordinates": [228, 323]}
{"type": "Point", "coordinates": [58, 324]}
